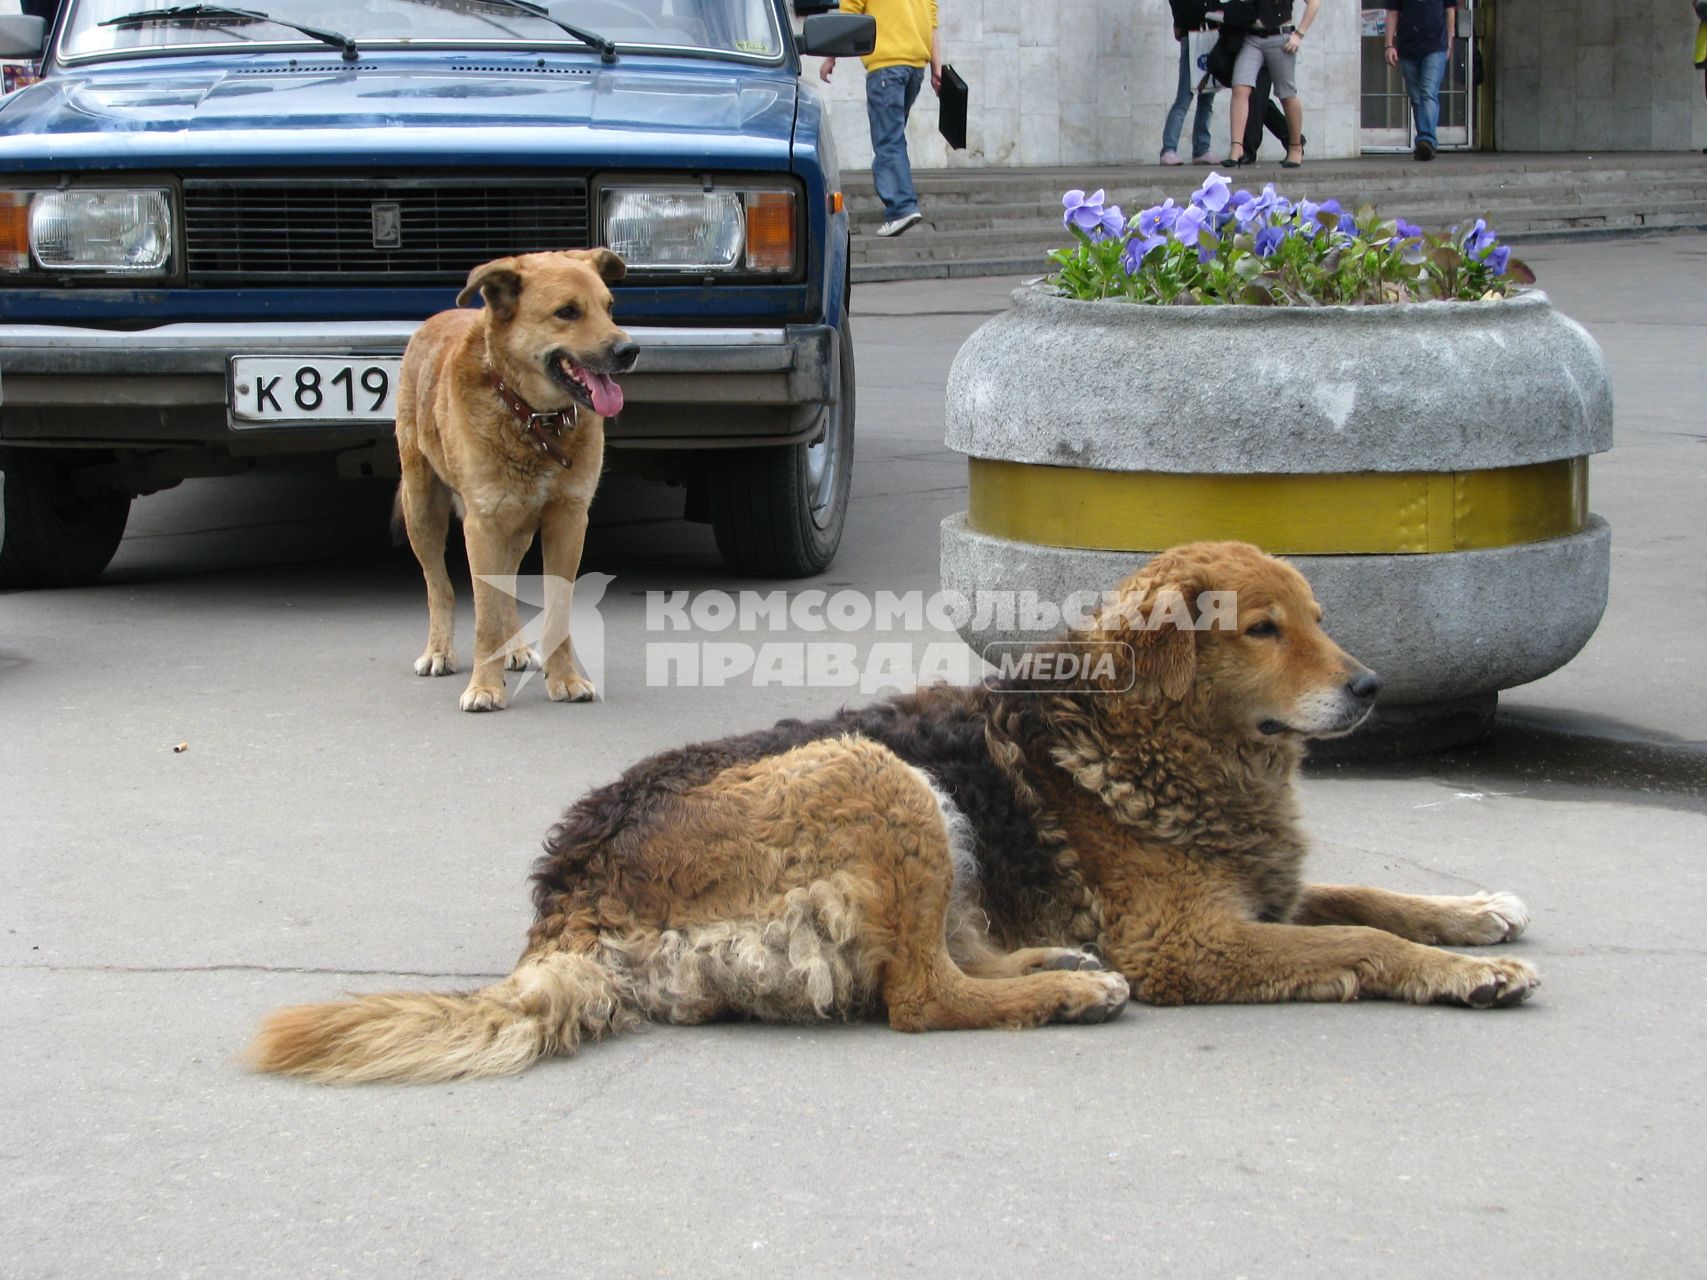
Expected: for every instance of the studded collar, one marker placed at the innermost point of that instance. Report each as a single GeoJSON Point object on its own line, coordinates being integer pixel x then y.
{"type": "Point", "coordinates": [544, 430]}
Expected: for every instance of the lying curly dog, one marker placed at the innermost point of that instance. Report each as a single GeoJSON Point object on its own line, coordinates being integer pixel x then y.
{"type": "Point", "coordinates": [948, 856]}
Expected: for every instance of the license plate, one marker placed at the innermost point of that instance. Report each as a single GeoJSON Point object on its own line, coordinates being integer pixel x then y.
{"type": "Point", "coordinates": [268, 390]}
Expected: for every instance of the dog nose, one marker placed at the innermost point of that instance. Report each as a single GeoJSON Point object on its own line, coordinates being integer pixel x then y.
{"type": "Point", "coordinates": [625, 353]}
{"type": "Point", "coordinates": [1364, 685]}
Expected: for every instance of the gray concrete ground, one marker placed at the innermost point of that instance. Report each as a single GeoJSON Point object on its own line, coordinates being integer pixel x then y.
{"type": "Point", "coordinates": [336, 824]}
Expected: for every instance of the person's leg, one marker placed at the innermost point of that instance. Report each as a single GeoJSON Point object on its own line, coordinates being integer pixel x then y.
{"type": "Point", "coordinates": [1237, 114]}
{"type": "Point", "coordinates": [1283, 66]}
{"type": "Point", "coordinates": [1245, 70]}
{"type": "Point", "coordinates": [1263, 113]}
{"type": "Point", "coordinates": [1411, 69]}
{"type": "Point", "coordinates": [1430, 71]}
{"type": "Point", "coordinates": [886, 110]}
{"type": "Point", "coordinates": [1201, 126]}
{"type": "Point", "coordinates": [1182, 102]}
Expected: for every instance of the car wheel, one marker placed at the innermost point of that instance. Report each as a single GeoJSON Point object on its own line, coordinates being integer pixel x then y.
{"type": "Point", "coordinates": [55, 536]}
{"type": "Point", "coordinates": [778, 512]}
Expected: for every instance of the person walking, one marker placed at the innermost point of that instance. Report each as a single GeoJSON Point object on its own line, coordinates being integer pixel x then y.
{"type": "Point", "coordinates": [1700, 7]}
{"type": "Point", "coordinates": [1190, 16]}
{"type": "Point", "coordinates": [907, 43]}
{"type": "Point", "coordinates": [1273, 42]}
{"type": "Point", "coordinates": [1419, 39]}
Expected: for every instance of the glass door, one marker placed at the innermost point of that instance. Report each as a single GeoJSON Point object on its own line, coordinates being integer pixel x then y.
{"type": "Point", "coordinates": [1386, 110]}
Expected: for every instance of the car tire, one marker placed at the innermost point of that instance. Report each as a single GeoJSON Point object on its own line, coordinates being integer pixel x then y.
{"type": "Point", "coordinates": [55, 536]}
{"type": "Point", "coordinates": [778, 511]}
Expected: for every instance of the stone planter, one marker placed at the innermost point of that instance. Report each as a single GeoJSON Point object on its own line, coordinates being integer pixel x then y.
{"type": "Point", "coordinates": [1425, 465]}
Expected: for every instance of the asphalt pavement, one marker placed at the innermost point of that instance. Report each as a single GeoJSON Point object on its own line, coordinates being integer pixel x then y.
{"type": "Point", "coordinates": [334, 823]}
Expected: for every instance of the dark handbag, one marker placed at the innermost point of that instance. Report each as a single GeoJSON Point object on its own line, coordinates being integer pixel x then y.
{"type": "Point", "coordinates": [951, 111]}
{"type": "Point", "coordinates": [1223, 54]}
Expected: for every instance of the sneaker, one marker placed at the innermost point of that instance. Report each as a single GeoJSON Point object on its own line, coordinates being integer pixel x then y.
{"type": "Point", "coordinates": [1171, 157]}
{"type": "Point", "coordinates": [1208, 157]}
{"type": "Point", "coordinates": [1424, 150]}
{"type": "Point", "coordinates": [895, 226]}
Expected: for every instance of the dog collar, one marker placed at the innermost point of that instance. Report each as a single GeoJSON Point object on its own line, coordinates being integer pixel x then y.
{"type": "Point", "coordinates": [544, 429]}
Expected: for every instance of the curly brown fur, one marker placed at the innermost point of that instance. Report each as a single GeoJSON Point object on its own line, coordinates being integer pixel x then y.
{"type": "Point", "coordinates": [944, 856]}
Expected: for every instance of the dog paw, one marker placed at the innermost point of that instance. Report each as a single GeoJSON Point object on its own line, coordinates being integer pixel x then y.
{"type": "Point", "coordinates": [1097, 997]}
{"type": "Point", "coordinates": [1489, 984]}
{"type": "Point", "coordinates": [524, 659]}
{"type": "Point", "coordinates": [1068, 959]}
{"type": "Point", "coordinates": [435, 663]}
{"type": "Point", "coordinates": [482, 698]}
{"type": "Point", "coordinates": [575, 688]}
{"type": "Point", "coordinates": [1494, 917]}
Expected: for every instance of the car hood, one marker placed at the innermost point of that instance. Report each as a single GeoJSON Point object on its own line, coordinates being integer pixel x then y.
{"type": "Point", "coordinates": [632, 114]}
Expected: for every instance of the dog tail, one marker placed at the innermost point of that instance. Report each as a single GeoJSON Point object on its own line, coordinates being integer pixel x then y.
{"type": "Point", "coordinates": [550, 1004]}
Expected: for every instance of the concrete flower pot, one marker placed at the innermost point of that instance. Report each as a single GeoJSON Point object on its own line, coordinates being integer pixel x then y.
{"type": "Point", "coordinates": [1425, 465]}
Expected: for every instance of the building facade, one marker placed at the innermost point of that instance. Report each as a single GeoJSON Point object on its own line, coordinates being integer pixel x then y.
{"type": "Point", "coordinates": [1089, 82]}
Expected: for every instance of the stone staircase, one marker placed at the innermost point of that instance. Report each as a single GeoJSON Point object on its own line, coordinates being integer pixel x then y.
{"type": "Point", "coordinates": [1003, 221]}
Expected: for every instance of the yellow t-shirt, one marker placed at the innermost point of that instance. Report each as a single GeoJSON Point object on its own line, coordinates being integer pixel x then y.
{"type": "Point", "coordinates": [903, 31]}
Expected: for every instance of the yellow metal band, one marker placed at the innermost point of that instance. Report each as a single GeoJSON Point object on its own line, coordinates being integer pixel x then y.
{"type": "Point", "coordinates": [1360, 513]}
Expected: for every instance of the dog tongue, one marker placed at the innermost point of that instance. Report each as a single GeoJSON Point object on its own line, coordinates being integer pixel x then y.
{"type": "Point", "coordinates": [607, 396]}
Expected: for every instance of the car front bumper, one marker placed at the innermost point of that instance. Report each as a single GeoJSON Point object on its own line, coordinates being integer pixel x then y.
{"type": "Point", "coordinates": [693, 388]}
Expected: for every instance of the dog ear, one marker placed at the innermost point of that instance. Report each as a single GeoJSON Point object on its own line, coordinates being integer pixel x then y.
{"type": "Point", "coordinates": [498, 282]}
{"type": "Point", "coordinates": [1154, 613]}
{"type": "Point", "coordinates": [610, 267]}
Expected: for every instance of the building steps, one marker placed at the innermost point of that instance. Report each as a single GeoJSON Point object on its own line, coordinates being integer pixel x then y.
{"type": "Point", "coordinates": [1004, 221]}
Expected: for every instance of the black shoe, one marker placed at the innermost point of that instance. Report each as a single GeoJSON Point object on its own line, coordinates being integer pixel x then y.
{"type": "Point", "coordinates": [1424, 149]}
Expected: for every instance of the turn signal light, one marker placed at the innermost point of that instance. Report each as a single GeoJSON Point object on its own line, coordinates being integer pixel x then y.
{"type": "Point", "coordinates": [14, 231]}
{"type": "Point", "coordinates": [770, 231]}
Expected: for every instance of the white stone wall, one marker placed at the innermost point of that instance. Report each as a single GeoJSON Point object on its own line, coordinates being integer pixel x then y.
{"type": "Point", "coordinates": [1591, 75]}
{"type": "Point", "coordinates": [1087, 82]}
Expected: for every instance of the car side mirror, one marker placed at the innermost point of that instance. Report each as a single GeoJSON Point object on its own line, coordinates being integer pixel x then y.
{"type": "Point", "coordinates": [22, 37]}
{"type": "Point", "coordinates": [838, 35]}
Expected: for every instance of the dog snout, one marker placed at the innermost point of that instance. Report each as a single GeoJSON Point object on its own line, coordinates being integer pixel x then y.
{"type": "Point", "coordinates": [623, 355]}
{"type": "Point", "coordinates": [1364, 685]}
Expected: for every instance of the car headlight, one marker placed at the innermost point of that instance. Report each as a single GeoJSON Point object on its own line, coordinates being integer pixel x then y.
{"type": "Point", "coordinates": [101, 229]}
{"type": "Point", "coordinates": [689, 229]}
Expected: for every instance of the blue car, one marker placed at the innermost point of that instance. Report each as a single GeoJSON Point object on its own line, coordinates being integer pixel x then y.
{"type": "Point", "coordinates": [219, 226]}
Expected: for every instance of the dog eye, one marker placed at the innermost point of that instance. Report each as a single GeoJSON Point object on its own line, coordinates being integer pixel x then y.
{"type": "Point", "coordinates": [570, 312]}
{"type": "Point", "coordinates": [1266, 627]}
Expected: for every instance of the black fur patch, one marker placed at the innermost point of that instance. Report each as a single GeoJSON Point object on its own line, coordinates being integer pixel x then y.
{"type": "Point", "coordinates": [940, 730]}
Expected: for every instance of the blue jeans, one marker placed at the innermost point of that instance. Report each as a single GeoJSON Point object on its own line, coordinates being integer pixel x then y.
{"type": "Point", "coordinates": [1422, 82]}
{"type": "Point", "coordinates": [889, 94]}
{"type": "Point", "coordinates": [1188, 75]}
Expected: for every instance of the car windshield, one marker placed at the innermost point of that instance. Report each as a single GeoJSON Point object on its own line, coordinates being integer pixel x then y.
{"type": "Point", "coordinates": [729, 28]}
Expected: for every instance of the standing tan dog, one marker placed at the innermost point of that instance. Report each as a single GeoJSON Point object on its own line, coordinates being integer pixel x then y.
{"type": "Point", "coordinates": [500, 414]}
{"type": "Point", "coordinates": [944, 856]}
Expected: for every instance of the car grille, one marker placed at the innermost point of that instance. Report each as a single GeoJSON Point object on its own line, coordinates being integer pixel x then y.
{"type": "Point", "coordinates": [373, 231]}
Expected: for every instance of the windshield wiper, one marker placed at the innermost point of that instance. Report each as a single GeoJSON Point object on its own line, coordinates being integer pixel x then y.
{"type": "Point", "coordinates": [197, 12]}
{"type": "Point", "coordinates": [605, 46]}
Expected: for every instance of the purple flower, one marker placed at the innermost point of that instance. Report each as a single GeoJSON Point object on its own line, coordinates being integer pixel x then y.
{"type": "Point", "coordinates": [1212, 195]}
{"type": "Point", "coordinates": [1137, 249]}
{"type": "Point", "coordinates": [1269, 240]}
{"type": "Point", "coordinates": [1279, 204]}
{"type": "Point", "coordinates": [1191, 227]}
{"type": "Point", "coordinates": [1348, 225]}
{"type": "Point", "coordinates": [1082, 211]}
{"type": "Point", "coordinates": [1478, 240]}
{"type": "Point", "coordinates": [1158, 218]}
{"type": "Point", "coordinates": [1245, 210]}
{"type": "Point", "coordinates": [1407, 230]}
{"type": "Point", "coordinates": [1331, 208]}
{"type": "Point", "coordinates": [1498, 259]}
